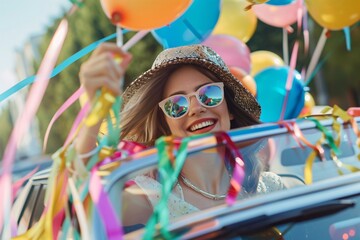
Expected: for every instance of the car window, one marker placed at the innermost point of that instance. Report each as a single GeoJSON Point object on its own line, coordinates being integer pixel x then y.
{"type": "Point", "coordinates": [279, 153]}
{"type": "Point", "coordinates": [33, 207]}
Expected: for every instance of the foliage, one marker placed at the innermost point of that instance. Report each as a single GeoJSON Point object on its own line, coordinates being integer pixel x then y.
{"type": "Point", "coordinates": [6, 127]}
{"type": "Point", "coordinates": [86, 26]}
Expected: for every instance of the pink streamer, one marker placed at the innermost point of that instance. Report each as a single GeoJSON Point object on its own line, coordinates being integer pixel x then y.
{"type": "Point", "coordinates": [305, 31]}
{"type": "Point", "coordinates": [60, 111]}
{"type": "Point", "coordinates": [22, 124]}
{"type": "Point", "coordinates": [290, 78]}
{"type": "Point", "coordinates": [81, 115]}
{"type": "Point", "coordinates": [102, 202]}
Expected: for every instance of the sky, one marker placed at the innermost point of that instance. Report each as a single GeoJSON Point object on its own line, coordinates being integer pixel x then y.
{"type": "Point", "coordinates": [20, 19]}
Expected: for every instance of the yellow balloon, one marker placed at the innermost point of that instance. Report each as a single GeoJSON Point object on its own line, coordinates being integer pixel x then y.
{"type": "Point", "coordinates": [334, 14]}
{"type": "Point", "coordinates": [103, 128]}
{"type": "Point", "coordinates": [235, 20]}
{"type": "Point", "coordinates": [308, 105]}
{"type": "Point", "coordinates": [263, 59]}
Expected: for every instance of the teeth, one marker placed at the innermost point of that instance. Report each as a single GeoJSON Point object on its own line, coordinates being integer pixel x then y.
{"type": "Point", "coordinates": [201, 125]}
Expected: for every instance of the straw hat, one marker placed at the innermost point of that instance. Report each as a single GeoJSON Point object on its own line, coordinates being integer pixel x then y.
{"type": "Point", "coordinates": [202, 56]}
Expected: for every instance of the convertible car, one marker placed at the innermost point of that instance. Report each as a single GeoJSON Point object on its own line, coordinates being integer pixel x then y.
{"type": "Point", "coordinates": [321, 199]}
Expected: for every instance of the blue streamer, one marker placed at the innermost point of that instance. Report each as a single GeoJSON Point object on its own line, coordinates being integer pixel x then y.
{"type": "Point", "coordinates": [59, 68]}
{"type": "Point", "coordinates": [347, 38]}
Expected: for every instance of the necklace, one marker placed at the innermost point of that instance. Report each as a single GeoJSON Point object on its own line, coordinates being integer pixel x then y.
{"type": "Point", "coordinates": [202, 192]}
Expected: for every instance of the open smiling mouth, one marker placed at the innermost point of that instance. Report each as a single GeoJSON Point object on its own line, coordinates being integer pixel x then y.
{"type": "Point", "coordinates": [201, 125]}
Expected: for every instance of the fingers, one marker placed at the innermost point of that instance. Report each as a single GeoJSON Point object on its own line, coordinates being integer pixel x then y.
{"type": "Point", "coordinates": [102, 70]}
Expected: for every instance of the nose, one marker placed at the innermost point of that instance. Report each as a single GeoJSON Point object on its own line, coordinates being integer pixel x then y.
{"type": "Point", "coordinates": [195, 107]}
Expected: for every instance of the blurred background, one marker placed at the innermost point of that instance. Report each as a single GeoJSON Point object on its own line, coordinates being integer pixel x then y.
{"type": "Point", "coordinates": [336, 80]}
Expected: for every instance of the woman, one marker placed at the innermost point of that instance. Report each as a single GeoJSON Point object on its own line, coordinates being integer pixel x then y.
{"type": "Point", "coordinates": [189, 90]}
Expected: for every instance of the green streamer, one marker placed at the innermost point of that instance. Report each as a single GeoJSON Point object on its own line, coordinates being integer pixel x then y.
{"type": "Point", "coordinates": [78, 3]}
{"type": "Point", "coordinates": [327, 135]}
{"type": "Point", "coordinates": [157, 225]}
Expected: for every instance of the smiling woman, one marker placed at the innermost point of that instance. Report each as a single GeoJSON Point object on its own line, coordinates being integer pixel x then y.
{"type": "Point", "coordinates": [189, 90]}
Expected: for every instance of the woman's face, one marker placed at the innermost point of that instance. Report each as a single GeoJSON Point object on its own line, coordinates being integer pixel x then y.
{"type": "Point", "coordinates": [199, 119]}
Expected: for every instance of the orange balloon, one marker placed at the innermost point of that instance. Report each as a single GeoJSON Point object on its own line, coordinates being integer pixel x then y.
{"type": "Point", "coordinates": [144, 14]}
{"type": "Point", "coordinates": [246, 80]}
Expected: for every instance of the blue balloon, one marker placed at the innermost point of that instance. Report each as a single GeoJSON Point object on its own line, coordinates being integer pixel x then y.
{"type": "Point", "coordinates": [279, 2]}
{"type": "Point", "coordinates": [193, 27]}
{"type": "Point", "coordinates": [271, 91]}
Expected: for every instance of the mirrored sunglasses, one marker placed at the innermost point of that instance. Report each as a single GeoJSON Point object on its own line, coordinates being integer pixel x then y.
{"type": "Point", "coordinates": [209, 95]}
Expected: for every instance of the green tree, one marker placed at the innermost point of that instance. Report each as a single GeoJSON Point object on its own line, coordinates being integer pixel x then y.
{"type": "Point", "coordinates": [86, 26]}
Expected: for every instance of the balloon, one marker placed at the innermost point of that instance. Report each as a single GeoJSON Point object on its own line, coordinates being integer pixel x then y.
{"type": "Point", "coordinates": [190, 28]}
{"type": "Point", "coordinates": [263, 59]}
{"type": "Point", "coordinates": [308, 105]}
{"type": "Point", "coordinates": [279, 2]}
{"type": "Point", "coordinates": [233, 51]}
{"type": "Point", "coordinates": [235, 21]}
{"type": "Point", "coordinates": [334, 14]}
{"type": "Point", "coordinates": [278, 16]}
{"type": "Point", "coordinates": [246, 80]}
{"type": "Point", "coordinates": [145, 14]}
{"type": "Point", "coordinates": [271, 93]}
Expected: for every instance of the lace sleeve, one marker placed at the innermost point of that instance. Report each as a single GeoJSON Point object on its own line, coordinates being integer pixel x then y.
{"type": "Point", "coordinates": [270, 182]}
{"type": "Point", "coordinates": [152, 188]}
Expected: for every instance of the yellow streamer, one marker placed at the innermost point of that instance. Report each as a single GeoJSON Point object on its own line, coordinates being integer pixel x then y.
{"type": "Point", "coordinates": [101, 107]}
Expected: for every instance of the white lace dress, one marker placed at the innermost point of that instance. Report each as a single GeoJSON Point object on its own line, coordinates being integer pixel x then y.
{"type": "Point", "coordinates": [268, 182]}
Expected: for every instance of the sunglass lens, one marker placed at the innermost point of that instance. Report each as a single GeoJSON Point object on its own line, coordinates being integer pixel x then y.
{"type": "Point", "coordinates": [210, 95]}
{"type": "Point", "coordinates": [176, 106]}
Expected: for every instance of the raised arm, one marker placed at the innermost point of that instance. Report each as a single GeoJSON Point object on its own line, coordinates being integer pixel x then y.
{"type": "Point", "coordinates": [100, 70]}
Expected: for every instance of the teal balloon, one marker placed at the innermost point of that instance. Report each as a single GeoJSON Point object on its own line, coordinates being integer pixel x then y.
{"type": "Point", "coordinates": [279, 2]}
{"type": "Point", "coordinates": [193, 27]}
{"type": "Point", "coordinates": [271, 92]}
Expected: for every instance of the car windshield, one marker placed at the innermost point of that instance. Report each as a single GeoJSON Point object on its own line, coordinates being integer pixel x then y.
{"type": "Point", "coordinates": [282, 157]}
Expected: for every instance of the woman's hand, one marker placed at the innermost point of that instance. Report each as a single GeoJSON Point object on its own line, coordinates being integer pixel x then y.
{"type": "Point", "coordinates": [103, 69]}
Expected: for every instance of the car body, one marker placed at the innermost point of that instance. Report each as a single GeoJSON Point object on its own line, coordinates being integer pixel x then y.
{"type": "Point", "coordinates": [328, 208]}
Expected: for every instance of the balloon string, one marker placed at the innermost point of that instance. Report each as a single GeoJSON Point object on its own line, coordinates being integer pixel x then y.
{"type": "Point", "coordinates": [285, 46]}
{"type": "Point", "coordinates": [137, 37]}
{"type": "Point", "coordinates": [316, 55]}
{"type": "Point", "coordinates": [347, 38]}
{"type": "Point", "coordinates": [305, 30]}
{"type": "Point", "coordinates": [290, 78]}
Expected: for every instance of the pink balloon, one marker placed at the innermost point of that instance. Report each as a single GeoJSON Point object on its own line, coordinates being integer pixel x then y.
{"type": "Point", "coordinates": [234, 52]}
{"type": "Point", "coordinates": [278, 16]}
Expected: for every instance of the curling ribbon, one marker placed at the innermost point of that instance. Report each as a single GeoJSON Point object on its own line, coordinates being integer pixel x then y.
{"type": "Point", "coordinates": [169, 172]}
{"type": "Point", "coordinates": [169, 169]}
{"type": "Point", "coordinates": [238, 174]}
{"type": "Point", "coordinates": [33, 101]}
{"type": "Point", "coordinates": [60, 111]}
{"type": "Point", "coordinates": [103, 204]}
{"type": "Point", "coordinates": [317, 151]}
{"type": "Point", "coordinates": [78, 3]}
{"type": "Point", "coordinates": [337, 112]}
{"type": "Point", "coordinates": [58, 69]}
